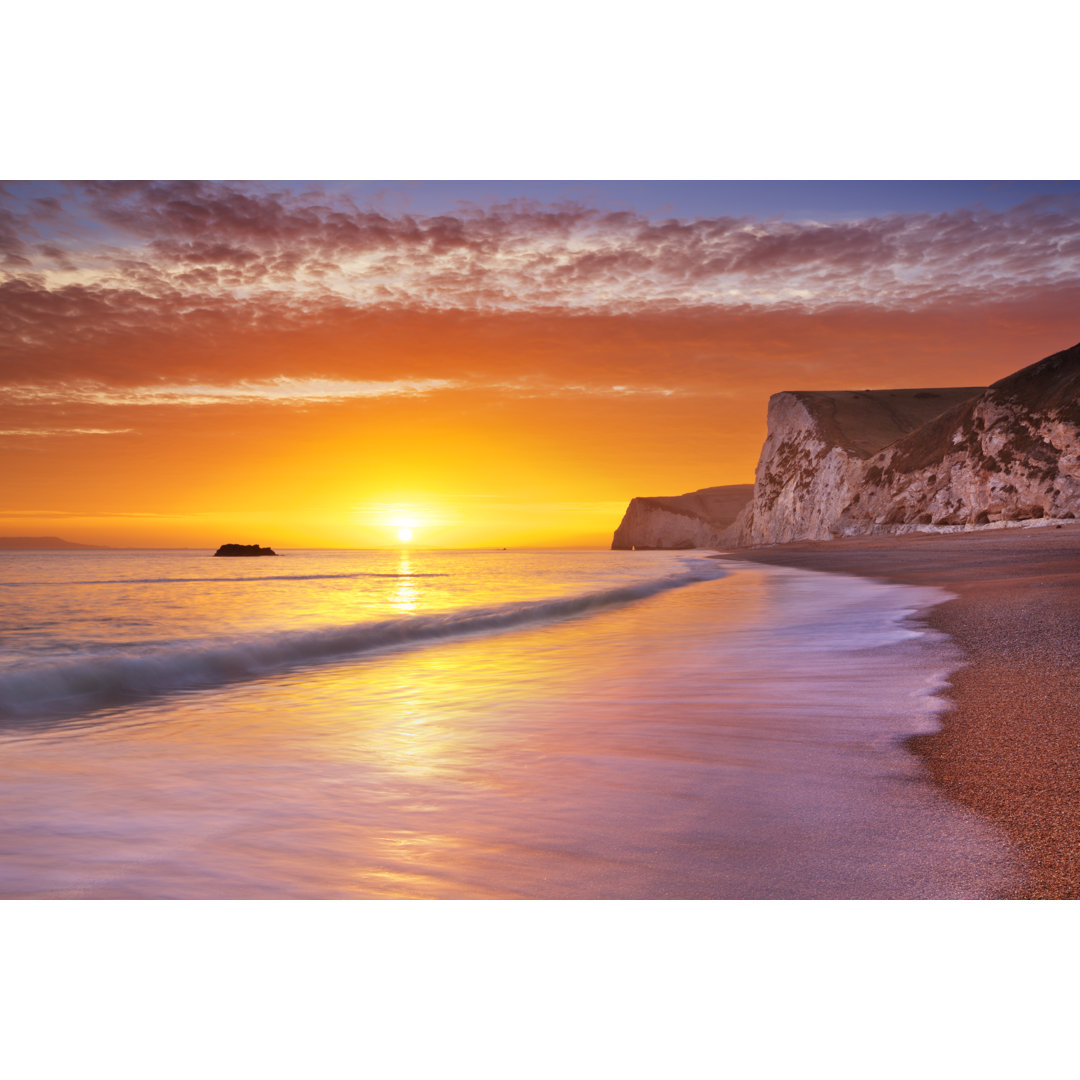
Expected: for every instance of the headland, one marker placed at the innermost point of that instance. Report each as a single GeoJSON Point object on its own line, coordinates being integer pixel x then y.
{"type": "Point", "coordinates": [44, 543]}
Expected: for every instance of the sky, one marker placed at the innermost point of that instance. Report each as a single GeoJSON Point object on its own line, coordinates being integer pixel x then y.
{"type": "Point", "coordinates": [493, 363]}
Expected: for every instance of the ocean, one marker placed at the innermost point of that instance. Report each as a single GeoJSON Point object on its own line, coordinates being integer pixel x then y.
{"type": "Point", "coordinates": [471, 724]}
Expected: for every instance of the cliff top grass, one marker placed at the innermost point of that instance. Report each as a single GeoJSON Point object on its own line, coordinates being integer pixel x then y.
{"type": "Point", "coordinates": [717, 505]}
{"type": "Point", "coordinates": [866, 421]}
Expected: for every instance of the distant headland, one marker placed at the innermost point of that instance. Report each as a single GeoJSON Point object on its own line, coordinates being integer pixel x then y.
{"type": "Point", "coordinates": [233, 550]}
{"type": "Point", "coordinates": [44, 543]}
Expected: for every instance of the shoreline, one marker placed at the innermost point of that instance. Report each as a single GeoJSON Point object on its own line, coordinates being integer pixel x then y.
{"type": "Point", "coordinates": [1009, 745]}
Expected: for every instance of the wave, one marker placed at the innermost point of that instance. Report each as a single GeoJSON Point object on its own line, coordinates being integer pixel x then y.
{"type": "Point", "coordinates": [216, 580]}
{"type": "Point", "coordinates": [119, 676]}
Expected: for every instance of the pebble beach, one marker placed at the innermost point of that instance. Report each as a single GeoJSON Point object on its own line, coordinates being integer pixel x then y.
{"type": "Point", "coordinates": [1009, 746]}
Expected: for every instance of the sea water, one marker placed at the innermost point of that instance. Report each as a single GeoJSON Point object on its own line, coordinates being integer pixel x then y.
{"type": "Point", "coordinates": [480, 724]}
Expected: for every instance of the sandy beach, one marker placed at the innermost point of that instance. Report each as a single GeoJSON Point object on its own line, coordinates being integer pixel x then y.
{"type": "Point", "coordinates": [1009, 747]}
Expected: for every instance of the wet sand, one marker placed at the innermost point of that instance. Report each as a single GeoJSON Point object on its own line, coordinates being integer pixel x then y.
{"type": "Point", "coordinates": [1009, 747]}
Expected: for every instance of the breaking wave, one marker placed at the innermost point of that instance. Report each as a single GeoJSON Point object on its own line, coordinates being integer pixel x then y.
{"type": "Point", "coordinates": [120, 675]}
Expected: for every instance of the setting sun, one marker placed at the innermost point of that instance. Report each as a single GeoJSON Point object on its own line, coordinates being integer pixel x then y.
{"type": "Point", "coordinates": [404, 534]}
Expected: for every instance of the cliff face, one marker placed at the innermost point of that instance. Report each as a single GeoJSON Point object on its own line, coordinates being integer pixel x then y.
{"type": "Point", "coordinates": [897, 461]}
{"type": "Point", "coordinates": [696, 519]}
{"type": "Point", "coordinates": [815, 452]}
{"type": "Point", "coordinates": [849, 463]}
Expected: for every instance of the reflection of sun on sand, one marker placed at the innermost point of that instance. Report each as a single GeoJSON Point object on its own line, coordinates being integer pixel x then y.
{"type": "Point", "coordinates": [1010, 746]}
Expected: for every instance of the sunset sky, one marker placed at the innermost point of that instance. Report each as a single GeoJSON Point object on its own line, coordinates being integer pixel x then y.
{"type": "Point", "coordinates": [491, 363]}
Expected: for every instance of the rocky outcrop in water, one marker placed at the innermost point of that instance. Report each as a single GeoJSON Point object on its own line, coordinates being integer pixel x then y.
{"type": "Point", "coordinates": [232, 550]}
{"type": "Point", "coordinates": [1006, 453]}
{"type": "Point", "coordinates": [697, 519]}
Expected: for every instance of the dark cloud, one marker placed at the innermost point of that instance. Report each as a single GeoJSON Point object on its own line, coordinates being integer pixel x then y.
{"type": "Point", "coordinates": [47, 208]}
{"type": "Point", "coordinates": [128, 338]}
{"type": "Point", "coordinates": [13, 248]}
{"type": "Point", "coordinates": [220, 238]}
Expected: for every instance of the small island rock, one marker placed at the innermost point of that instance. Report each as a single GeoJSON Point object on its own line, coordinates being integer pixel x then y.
{"type": "Point", "coordinates": [243, 549]}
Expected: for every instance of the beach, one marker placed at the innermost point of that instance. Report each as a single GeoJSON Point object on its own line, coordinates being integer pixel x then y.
{"type": "Point", "coordinates": [1009, 747]}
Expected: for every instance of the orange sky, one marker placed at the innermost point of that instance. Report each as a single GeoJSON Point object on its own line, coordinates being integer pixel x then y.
{"type": "Point", "coordinates": [189, 366]}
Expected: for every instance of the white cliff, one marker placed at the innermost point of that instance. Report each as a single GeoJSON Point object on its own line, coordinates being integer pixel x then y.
{"type": "Point", "coordinates": [851, 463]}
{"type": "Point", "coordinates": [814, 453]}
{"type": "Point", "coordinates": [887, 461]}
{"type": "Point", "coordinates": [697, 519]}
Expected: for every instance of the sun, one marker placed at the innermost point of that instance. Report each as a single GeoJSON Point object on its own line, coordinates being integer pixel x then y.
{"type": "Point", "coordinates": [404, 534]}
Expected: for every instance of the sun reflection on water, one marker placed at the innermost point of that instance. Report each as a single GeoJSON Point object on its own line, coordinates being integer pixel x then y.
{"type": "Point", "coordinates": [406, 597]}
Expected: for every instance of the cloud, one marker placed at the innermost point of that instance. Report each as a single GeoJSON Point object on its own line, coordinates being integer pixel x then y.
{"type": "Point", "coordinates": [284, 390]}
{"type": "Point", "coordinates": [83, 514]}
{"type": "Point", "coordinates": [50, 432]}
{"type": "Point", "coordinates": [200, 293]}
{"type": "Point", "coordinates": [539, 388]}
{"type": "Point", "coordinates": [210, 242]}
{"type": "Point", "coordinates": [13, 247]}
{"type": "Point", "coordinates": [278, 391]}
{"type": "Point", "coordinates": [98, 345]}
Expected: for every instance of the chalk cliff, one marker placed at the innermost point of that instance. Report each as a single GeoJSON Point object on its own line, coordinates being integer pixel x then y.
{"type": "Point", "coordinates": [887, 461]}
{"type": "Point", "coordinates": [855, 462]}
{"type": "Point", "coordinates": [697, 519]}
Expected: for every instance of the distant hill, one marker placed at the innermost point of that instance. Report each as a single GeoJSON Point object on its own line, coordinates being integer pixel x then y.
{"type": "Point", "coordinates": [44, 543]}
